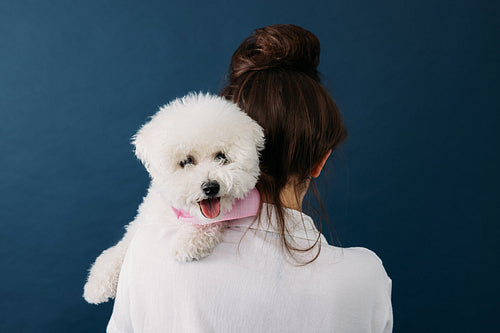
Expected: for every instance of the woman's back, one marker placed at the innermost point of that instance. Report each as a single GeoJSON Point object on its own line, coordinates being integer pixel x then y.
{"type": "Point", "coordinates": [253, 282]}
{"type": "Point", "coordinates": [247, 285]}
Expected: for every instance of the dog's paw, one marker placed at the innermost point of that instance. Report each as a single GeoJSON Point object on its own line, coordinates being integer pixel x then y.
{"type": "Point", "coordinates": [197, 242]}
{"type": "Point", "coordinates": [96, 292]}
{"type": "Point", "coordinates": [103, 277]}
{"type": "Point", "coordinates": [186, 254]}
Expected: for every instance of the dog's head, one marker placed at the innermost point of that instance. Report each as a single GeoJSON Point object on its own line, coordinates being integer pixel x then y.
{"type": "Point", "coordinates": [202, 153]}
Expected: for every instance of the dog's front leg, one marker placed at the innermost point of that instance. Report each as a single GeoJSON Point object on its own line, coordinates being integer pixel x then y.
{"type": "Point", "coordinates": [104, 273]}
{"type": "Point", "coordinates": [195, 242]}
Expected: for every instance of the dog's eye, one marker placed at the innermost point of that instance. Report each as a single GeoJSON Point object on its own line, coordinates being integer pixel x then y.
{"type": "Point", "coordinates": [220, 156]}
{"type": "Point", "coordinates": [188, 160]}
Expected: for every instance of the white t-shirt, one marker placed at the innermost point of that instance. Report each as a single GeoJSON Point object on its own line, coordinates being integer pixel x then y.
{"type": "Point", "coordinates": [248, 285]}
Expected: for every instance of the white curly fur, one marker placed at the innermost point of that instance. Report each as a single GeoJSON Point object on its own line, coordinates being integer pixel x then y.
{"type": "Point", "coordinates": [199, 126]}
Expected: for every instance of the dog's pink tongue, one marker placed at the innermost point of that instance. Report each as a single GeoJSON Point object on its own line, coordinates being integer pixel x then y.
{"type": "Point", "coordinates": [210, 208]}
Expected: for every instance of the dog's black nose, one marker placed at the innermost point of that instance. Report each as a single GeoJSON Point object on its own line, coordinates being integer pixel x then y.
{"type": "Point", "coordinates": [210, 188]}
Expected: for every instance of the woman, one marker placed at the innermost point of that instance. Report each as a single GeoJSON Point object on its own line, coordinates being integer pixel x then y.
{"type": "Point", "coordinates": [276, 273]}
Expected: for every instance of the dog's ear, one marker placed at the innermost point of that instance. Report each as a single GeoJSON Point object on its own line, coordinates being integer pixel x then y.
{"type": "Point", "coordinates": [150, 139]}
{"type": "Point", "coordinates": [143, 143]}
{"type": "Point", "coordinates": [258, 134]}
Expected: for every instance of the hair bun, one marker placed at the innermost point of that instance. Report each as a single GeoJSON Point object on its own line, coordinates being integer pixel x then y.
{"type": "Point", "coordinates": [277, 46]}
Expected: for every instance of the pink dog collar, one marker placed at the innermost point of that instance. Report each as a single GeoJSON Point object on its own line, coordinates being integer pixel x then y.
{"type": "Point", "coordinates": [248, 206]}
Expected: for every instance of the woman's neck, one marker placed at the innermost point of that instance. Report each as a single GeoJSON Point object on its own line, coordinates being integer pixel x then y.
{"type": "Point", "coordinates": [292, 195]}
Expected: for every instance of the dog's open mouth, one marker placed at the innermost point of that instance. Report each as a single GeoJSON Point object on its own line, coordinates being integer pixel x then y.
{"type": "Point", "coordinates": [210, 208]}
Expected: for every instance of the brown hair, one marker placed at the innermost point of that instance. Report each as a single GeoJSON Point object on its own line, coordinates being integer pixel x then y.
{"type": "Point", "coordinates": [274, 78]}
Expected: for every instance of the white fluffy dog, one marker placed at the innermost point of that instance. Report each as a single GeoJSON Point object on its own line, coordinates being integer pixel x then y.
{"type": "Point", "coordinates": [202, 153]}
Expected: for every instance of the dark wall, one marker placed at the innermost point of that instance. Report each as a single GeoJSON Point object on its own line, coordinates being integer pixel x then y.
{"type": "Point", "coordinates": [416, 181]}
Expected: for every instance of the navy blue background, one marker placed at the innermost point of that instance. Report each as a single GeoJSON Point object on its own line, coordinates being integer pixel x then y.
{"type": "Point", "coordinates": [416, 181]}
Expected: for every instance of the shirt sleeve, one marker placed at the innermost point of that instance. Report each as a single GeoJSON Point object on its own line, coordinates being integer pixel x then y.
{"type": "Point", "coordinates": [379, 285]}
{"type": "Point", "coordinates": [383, 310]}
{"type": "Point", "coordinates": [389, 316]}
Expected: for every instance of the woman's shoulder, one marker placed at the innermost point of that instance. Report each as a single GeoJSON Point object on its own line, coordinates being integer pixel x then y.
{"type": "Point", "coordinates": [356, 266]}
{"type": "Point", "coordinates": [355, 278]}
{"type": "Point", "coordinates": [359, 258]}
{"type": "Point", "coordinates": [363, 256]}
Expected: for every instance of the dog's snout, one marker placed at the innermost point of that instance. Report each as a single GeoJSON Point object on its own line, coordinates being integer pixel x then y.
{"type": "Point", "coordinates": [210, 188]}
